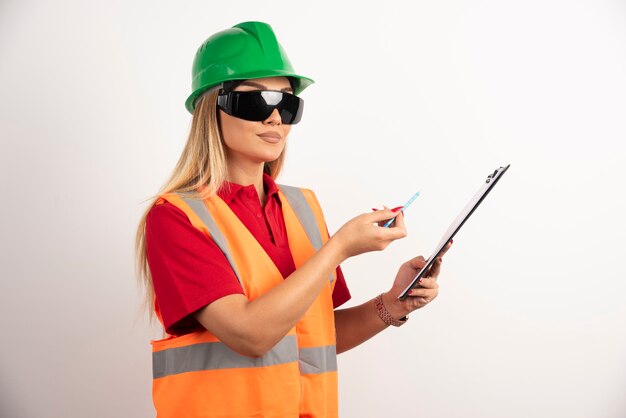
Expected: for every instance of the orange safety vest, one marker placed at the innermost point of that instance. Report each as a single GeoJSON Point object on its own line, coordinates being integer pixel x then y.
{"type": "Point", "coordinates": [196, 375]}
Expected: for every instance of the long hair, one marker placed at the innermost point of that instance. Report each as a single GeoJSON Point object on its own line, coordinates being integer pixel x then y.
{"type": "Point", "coordinates": [200, 172]}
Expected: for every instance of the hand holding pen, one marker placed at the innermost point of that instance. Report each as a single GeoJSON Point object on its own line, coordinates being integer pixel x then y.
{"type": "Point", "coordinates": [400, 209]}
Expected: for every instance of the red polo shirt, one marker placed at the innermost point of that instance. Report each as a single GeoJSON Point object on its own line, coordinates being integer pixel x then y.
{"type": "Point", "coordinates": [188, 269]}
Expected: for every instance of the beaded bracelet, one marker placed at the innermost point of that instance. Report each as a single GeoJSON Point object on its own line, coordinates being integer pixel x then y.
{"type": "Point", "coordinates": [384, 314]}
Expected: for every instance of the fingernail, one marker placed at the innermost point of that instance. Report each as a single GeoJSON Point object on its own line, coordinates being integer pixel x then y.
{"type": "Point", "coordinates": [397, 208]}
{"type": "Point", "coordinates": [374, 209]}
{"type": "Point", "coordinates": [451, 241]}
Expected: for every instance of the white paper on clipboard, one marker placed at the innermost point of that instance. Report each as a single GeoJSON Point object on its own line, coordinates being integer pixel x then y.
{"type": "Point", "coordinates": [456, 225]}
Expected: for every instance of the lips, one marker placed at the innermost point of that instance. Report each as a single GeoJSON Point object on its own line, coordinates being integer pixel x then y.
{"type": "Point", "coordinates": [270, 136]}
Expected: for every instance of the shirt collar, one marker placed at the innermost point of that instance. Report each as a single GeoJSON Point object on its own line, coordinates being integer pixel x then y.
{"type": "Point", "coordinates": [228, 190]}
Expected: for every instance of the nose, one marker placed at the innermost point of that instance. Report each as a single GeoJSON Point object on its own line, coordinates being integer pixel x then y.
{"type": "Point", "coordinates": [273, 119]}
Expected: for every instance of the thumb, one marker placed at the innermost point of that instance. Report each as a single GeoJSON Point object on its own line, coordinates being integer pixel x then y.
{"type": "Point", "coordinates": [381, 215]}
{"type": "Point", "coordinates": [417, 262]}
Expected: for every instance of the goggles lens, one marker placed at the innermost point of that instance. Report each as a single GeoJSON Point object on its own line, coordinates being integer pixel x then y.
{"type": "Point", "coordinates": [258, 105]}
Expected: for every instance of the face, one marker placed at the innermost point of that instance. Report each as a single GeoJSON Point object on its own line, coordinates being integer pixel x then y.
{"type": "Point", "coordinates": [251, 142]}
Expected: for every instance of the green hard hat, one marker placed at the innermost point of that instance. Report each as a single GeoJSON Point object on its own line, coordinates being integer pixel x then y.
{"type": "Point", "coordinates": [247, 50]}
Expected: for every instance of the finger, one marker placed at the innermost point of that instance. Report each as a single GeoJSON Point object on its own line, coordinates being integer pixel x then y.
{"type": "Point", "coordinates": [446, 248]}
{"type": "Point", "coordinates": [428, 283]}
{"type": "Point", "coordinates": [435, 269]}
{"type": "Point", "coordinates": [419, 302]}
{"type": "Point", "coordinates": [384, 221]}
{"type": "Point", "coordinates": [396, 230]}
{"type": "Point", "coordinates": [397, 208]}
{"type": "Point", "coordinates": [393, 233]}
{"type": "Point", "coordinates": [399, 222]}
{"type": "Point", "coordinates": [380, 215]}
{"type": "Point", "coordinates": [391, 222]}
{"type": "Point", "coordinates": [425, 301]}
{"type": "Point", "coordinates": [426, 294]}
{"type": "Point", "coordinates": [417, 263]}
{"type": "Point", "coordinates": [419, 292]}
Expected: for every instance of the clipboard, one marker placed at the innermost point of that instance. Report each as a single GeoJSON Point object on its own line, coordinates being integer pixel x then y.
{"type": "Point", "coordinates": [456, 225]}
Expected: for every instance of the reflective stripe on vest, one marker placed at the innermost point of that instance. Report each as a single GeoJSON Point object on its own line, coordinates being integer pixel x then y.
{"type": "Point", "coordinates": [198, 375]}
{"type": "Point", "coordinates": [200, 210]}
{"type": "Point", "coordinates": [305, 215]}
{"type": "Point", "coordinates": [216, 355]}
{"type": "Point", "coordinates": [314, 360]}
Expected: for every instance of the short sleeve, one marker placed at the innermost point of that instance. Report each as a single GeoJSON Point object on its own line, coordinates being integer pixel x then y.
{"type": "Point", "coordinates": [341, 293]}
{"type": "Point", "coordinates": [188, 269]}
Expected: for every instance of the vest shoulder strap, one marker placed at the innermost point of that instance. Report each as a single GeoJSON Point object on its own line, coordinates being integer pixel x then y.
{"type": "Point", "coordinates": [199, 209]}
{"type": "Point", "coordinates": [305, 213]}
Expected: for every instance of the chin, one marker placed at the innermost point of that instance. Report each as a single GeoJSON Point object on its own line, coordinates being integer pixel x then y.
{"type": "Point", "coordinates": [268, 157]}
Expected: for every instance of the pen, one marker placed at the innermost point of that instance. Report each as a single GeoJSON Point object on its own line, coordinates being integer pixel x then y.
{"type": "Point", "coordinates": [406, 205]}
{"type": "Point", "coordinates": [402, 209]}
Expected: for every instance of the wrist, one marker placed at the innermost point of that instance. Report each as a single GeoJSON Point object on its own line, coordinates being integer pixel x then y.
{"type": "Point", "coordinates": [394, 306]}
{"type": "Point", "coordinates": [335, 245]}
{"type": "Point", "coordinates": [385, 315]}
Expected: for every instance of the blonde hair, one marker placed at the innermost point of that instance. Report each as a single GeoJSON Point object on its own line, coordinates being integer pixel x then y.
{"type": "Point", "coordinates": [202, 163]}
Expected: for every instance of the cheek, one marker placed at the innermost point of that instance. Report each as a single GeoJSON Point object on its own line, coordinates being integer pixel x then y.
{"type": "Point", "coordinates": [232, 128]}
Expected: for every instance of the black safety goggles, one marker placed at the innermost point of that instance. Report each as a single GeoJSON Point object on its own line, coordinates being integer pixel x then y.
{"type": "Point", "coordinates": [258, 105]}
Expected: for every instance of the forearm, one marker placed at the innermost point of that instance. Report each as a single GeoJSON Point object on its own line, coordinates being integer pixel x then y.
{"type": "Point", "coordinates": [273, 314]}
{"type": "Point", "coordinates": [254, 327]}
{"type": "Point", "coordinates": [356, 325]}
{"type": "Point", "coordinates": [360, 323]}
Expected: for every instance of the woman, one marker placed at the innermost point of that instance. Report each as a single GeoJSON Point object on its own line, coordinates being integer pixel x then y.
{"type": "Point", "coordinates": [241, 271]}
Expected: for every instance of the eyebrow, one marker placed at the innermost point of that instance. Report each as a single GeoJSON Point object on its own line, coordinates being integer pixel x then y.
{"type": "Point", "coordinates": [261, 86]}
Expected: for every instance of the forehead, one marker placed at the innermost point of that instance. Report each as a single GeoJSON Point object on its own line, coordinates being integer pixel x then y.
{"type": "Point", "coordinates": [267, 83]}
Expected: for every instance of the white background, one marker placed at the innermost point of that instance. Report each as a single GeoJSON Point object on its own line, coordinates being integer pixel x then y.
{"type": "Point", "coordinates": [430, 95]}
